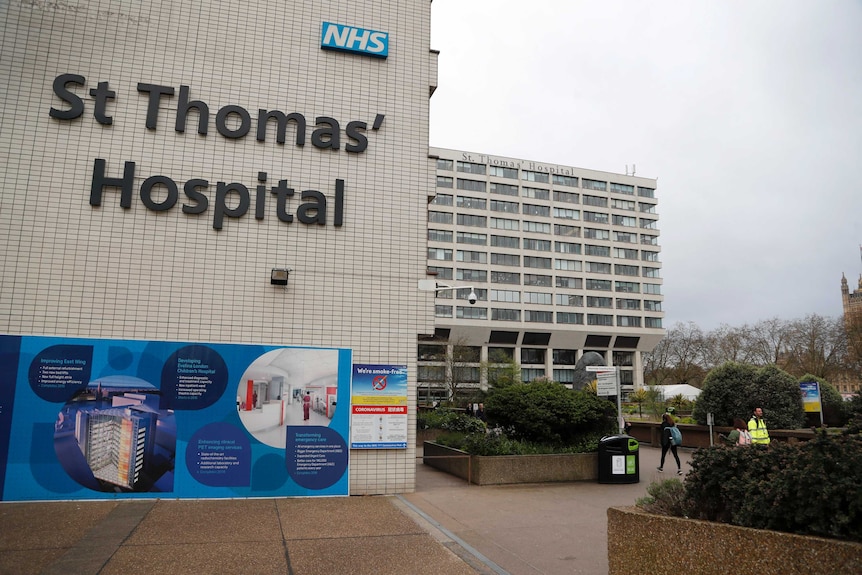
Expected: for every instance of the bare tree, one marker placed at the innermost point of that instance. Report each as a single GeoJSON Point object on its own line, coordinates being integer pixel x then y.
{"type": "Point", "coordinates": [728, 343]}
{"type": "Point", "coordinates": [769, 340]}
{"type": "Point", "coordinates": [816, 345]}
{"type": "Point", "coordinates": [462, 368]}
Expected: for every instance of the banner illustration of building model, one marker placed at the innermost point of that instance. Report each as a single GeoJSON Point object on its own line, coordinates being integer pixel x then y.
{"type": "Point", "coordinates": [98, 419]}
{"type": "Point", "coordinates": [379, 407]}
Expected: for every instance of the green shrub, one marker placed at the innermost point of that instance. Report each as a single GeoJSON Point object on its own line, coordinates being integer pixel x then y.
{"type": "Point", "coordinates": [499, 444]}
{"type": "Point", "coordinates": [549, 413]}
{"type": "Point", "coordinates": [450, 420]}
{"type": "Point", "coordinates": [666, 497]}
{"type": "Point", "coordinates": [811, 488]}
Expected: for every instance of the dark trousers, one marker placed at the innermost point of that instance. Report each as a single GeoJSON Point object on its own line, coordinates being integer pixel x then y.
{"type": "Point", "coordinates": [672, 447]}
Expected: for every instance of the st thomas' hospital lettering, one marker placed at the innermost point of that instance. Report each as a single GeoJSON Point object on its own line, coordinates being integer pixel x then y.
{"type": "Point", "coordinates": [232, 122]}
{"type": "Point", "coordinates": [506, 163]}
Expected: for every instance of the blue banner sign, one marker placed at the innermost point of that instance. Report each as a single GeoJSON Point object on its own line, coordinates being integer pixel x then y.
{"type": "Point", "coordinates": [353, 39]}
{"type": "Point", "coordinates": [106, 419]}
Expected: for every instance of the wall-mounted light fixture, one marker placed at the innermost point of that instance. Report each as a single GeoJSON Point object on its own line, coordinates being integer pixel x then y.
{"type": "Point", "coordinates": [279, 276]}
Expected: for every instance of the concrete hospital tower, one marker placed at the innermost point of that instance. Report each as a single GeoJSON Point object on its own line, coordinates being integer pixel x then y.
{"type": "Point", "coordinates": [160, 159]}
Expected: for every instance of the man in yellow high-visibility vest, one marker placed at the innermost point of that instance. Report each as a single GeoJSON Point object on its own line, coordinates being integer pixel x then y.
{"type": "Point", "coordinates": [757, 428]}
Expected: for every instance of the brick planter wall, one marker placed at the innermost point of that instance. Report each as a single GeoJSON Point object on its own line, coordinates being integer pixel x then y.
{"type": "Point", "coordinates": [640, 542]}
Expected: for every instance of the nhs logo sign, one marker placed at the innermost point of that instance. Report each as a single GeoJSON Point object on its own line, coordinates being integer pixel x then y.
{"type": "Point", "coordinates": [352, 39]}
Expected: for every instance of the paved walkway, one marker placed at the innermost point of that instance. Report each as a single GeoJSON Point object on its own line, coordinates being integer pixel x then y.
{"type": "Point", "coordinates": [446, 526]}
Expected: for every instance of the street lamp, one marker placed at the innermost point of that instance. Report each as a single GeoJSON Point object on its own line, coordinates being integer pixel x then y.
{"type": "Point", "coordinates": [433, 285]}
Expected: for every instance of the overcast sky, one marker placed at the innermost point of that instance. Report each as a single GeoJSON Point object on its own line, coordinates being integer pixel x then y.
{"type": "Point", "coordinates": [749, 114]}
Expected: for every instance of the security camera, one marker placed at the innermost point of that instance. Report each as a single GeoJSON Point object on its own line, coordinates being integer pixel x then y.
{"type": "Point", "coordinates": [472, 298]}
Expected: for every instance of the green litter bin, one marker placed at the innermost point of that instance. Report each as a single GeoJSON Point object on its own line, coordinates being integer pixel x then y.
{"type": "Point", "coordinates": [618, 459]}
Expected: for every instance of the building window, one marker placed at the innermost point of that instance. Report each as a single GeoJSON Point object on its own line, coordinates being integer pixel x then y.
{"type": "Point", "coordinates": [594, 185]}
{"type": "Point", "coordinates": [567, 248]}
{"type": "Point", "coordinates": [533, 316]}
{"type": "Point", "coordinates": [501, 206]}
{"type": "Point", "coordinates": [593, 250]}
{"type": "Point", "coordinates": [505, 278]}
{"type": "Point", "coordinates": [652, 272]}
{"type": "Point", "coordinates": [471, 275]}
{"type": "Point", "coordinates": [625, 237]}
{"type": "Point", "coordinates": [442, 311]}
{"type": "Point", "coordinates": [537, 262]}
{"type": "Point", "coordinates": [567, 231]}
{"type": "Point", "coordinates": [649, 256]}
{"type": "Point", "coordinates": [500, 314]}
{"type": "Point", "coordinates": [623, 189]}
{"type": "Point", "coordinates": [431, 372]}
{"type": "Point", "coordinates": [504, 224]}
{"type": "Point", "coordinates": [623, 303]}
{"type": "Point", "coordinates": [627, 221]}
{"type": "Point", "coordinates": [470, 220]}
{"type": "Point", "coordinates": [440, 254]}
{"type": "Point", "coordinates": [593, 301]}
{"type": "Point", "coordinates": [649, 240]}
{"type": "Point", "coordinates": [571, 283]}
{"type": "Point", "coordinates": [622, 270]}
{"type": "Point", "coordinates": [504, 241]}
{"type": "Point", "coordinates": [504, 189]}
{"type": "Point", "coordinates": [471, 257]}
{"type": "Point", "coordinates": [627, 287]}
{"type": "Point", "coordinates": [595, 217]}
{"type": "Point", "coordinates": [627, 377]}
{"type": "Point", "coordinates": [500, 354]}
{"type": "Point", "coordinates": [650, 304]}
{"type": "Point", "coordinates": [566, 197]}
{"type": "Point", "coordinates": [537, 227]}
{"type": "Point", "coordinates": [598, 285]}
{"type": "Point", "coordinates": [596, 234]}
{"type": "Point", "coordinates": [569, 300]}
{"type": "Point", "coordinates": [471, 238]}
{"type": "Point", "coordinates": [540, 177]}
{"type": "Point", "coordinates": [505, 259]}
{"type": "Point", "coordinates": [567, 214]}
{"type": "Point", "coordinates": [538, 297]}
{"type": "Point", "coordinates": [652, 322]}
{"type": "Point", "coordinates": [471, 168]}
{"type": "Point", "coordinates": [624, 358]}
{"type": "Point", "coordinates": [570, 181]}
{"type": "Point", "coordinates": [442, 200]}
{"type": "Point", "coordinates": [537, 280]}
{"type": "Point", "coordinates": [535, 193]}
{"type": "Point", "coordinates": [598, 268]}
{"type": "Point", "coordinates": [471, 185]}
{"type": "Point", "coordinates": [646, 192]}
{"type": "Point", "coordinates": [471, 312]}
{"type": "Point", "coordinates": [445, 182]}
{"type": "Point", "coordinates": [568, 265]}
{"type": "Point", "coordinates": [481, 294]}
{"type": "Point", "coordinates": [501, 172]}
{"type": "Point", "coordinates": [439, 236]}
{"type": "Point", "coordinates": [649, 224]}
{"type": "Point", "coordinates": [439, 217]}
{"type": "Point", "coordinates": [531, 374]}
{"type": "Point", "coordinates": [564, 376]}
{"type": "Point", "coordinates": [428, 352]}
{"type": "Point", "coordinates": [625, 254]}
{"type": "Point", "coordinates": [597, 201]}
{"type": "Point", "coordinates": [600, 319]}
{"type": "Point", "coordinates": [570, 318]}
{"type": "Point", "coordinates": [652, 289]}
{"type": "Point", "coordinates": [471, 203]}
{"type": "Point", "coordinates": [534, 210]}
{"type": "Point", "coordinates": [627, 205]}
{"type": "Point", "coordinates": [530, 355]}
{"type": "Point", "coordinates": [537, 245]}
{"type": "Point", "coordinates": [445, 165]}
{"type": "Point", "coordinates": [647, 208]}
{"type": "Point", "coordinates": [441, 273]}
{"type": "Point", "coordinates": [508, 296]}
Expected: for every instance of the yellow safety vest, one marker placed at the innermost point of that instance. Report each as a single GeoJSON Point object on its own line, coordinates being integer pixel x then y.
{"type": "Point", "coordinates": [759, 434]}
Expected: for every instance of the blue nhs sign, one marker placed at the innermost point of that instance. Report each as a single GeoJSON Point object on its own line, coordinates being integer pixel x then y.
{"type": "Point", "coordinates": [352, 39]}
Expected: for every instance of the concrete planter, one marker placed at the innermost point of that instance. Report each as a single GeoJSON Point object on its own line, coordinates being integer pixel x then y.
{"type": "Point", "coordinates": [503, 469]}
{"type": "Point", "coordinates": [640, 542]}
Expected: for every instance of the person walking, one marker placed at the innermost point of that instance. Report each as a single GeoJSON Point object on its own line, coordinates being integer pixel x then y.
{"type": "Point", "coordinates": [757, 428]}
{"type": "Point", "coordinates": [740, 434]}
{"type": "Point", "coordinates": [667, 443]}
{"type": "Point", "coordinates": [306, 405]}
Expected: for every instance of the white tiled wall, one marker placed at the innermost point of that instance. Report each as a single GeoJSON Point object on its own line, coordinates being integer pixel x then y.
{"type": "Point", "coordinates": [71, 269]}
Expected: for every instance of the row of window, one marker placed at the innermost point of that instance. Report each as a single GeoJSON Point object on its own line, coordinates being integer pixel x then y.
{"type": "Point", "coordinates": [534, 193]}
{"type": "Point", "coordinates": [468, 374]}
{"type": "Point", "coordinates": [515, 278]}
{"type": "Point", "coordinates": [537, 316]}
{"type": "Point", "coordinates": [479, 239]}
{"type": "Point", "coordinates": [436, 217]}
{"type": "Point", "coordinates": [446, 254]}
{"type": "Point", "coordinates": [547, 298]}
{"type": "Point", "coordinates": [529, 355]}
{"type": "Point", "coordinates": [541, 177]}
